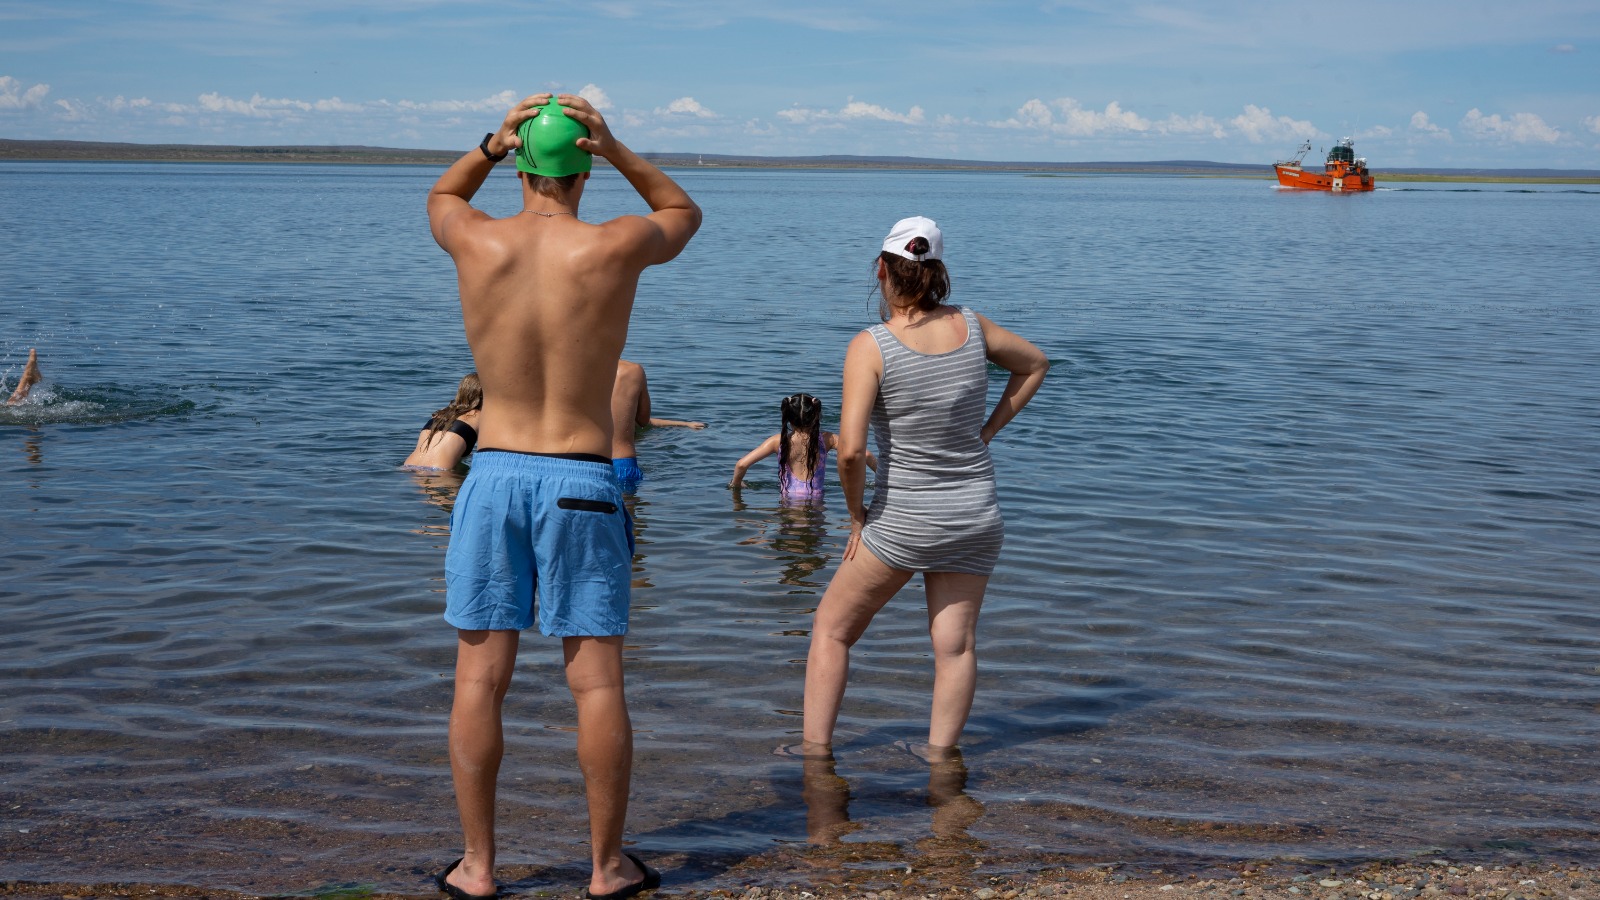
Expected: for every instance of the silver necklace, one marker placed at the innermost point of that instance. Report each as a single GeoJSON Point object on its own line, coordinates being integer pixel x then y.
{"type": "Point", "coordinates": [548, 215]}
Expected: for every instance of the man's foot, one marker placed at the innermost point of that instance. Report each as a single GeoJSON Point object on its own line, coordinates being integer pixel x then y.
{"type": "Point", "coordinates": [650, 881]}
{"type": "Point", "coordinates": [456, 893]}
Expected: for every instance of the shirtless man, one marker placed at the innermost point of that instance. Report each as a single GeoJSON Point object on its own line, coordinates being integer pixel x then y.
{"type": "Point", "coordinates": [545, 298]}
{"type": "Point", "coordinates": [630, 409]}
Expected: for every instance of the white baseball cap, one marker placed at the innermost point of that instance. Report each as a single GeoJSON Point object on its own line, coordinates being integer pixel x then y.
{"type": "Point", "coordinates": [904, 234]}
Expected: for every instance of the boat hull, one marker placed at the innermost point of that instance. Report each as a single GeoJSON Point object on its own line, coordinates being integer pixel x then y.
{"type": "Point", "coordinates": [1337, 182]}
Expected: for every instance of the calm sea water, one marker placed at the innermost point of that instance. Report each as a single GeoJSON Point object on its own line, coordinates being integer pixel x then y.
{"type": "Point", "coordinates": [1303, 532]}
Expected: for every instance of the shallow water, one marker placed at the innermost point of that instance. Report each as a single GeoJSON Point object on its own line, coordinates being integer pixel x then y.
{"type": "Point", "coordinates": [1301, 559]}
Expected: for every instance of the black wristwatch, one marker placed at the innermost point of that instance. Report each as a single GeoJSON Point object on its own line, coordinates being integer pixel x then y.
{"type": "Point", "coordinates": [484, 146]}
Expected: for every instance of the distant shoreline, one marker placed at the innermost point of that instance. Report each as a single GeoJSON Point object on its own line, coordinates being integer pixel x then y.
{"type": "Point", "coordinates": [87, 151]}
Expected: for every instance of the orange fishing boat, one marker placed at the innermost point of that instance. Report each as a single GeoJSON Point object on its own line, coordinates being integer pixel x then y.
{"type": "Point", "coordinates": [1344, 170]}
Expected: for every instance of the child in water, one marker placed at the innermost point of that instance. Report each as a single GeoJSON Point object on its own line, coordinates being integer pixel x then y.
{"type": "Point", "coordinates": [802, 447]}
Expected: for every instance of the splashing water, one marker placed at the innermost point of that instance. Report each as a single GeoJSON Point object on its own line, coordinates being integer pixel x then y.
{"type": "Point", "coordinates": [49, 403]}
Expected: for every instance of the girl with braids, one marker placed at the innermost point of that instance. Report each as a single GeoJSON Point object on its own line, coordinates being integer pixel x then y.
{"type": "Point", "coordinates": [920, 379]}
{"type": "Point", "coordinates": [450, 433]}
{"type": "Point", "coordinates": [802, 447]}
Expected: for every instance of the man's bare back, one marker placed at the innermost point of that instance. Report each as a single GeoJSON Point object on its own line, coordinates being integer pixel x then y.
{"type": "Point", "coordinates": [546, 298]}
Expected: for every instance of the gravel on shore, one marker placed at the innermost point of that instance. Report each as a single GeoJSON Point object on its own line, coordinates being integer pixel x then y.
{"type": "Point", "coordinates": [1436, 879]}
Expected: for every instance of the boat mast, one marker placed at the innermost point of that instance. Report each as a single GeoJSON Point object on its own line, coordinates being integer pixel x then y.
{"type": "Point", "coordinates": [1299, 155]}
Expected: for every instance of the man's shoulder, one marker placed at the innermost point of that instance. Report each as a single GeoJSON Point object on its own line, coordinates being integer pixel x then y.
{"type": "Point", "coordinates": [626, 234]}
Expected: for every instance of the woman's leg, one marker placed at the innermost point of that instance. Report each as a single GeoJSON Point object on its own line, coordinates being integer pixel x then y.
{"type": "Point", "coordinates": [858, 590]}
{"type": "Point", "coordinates": [953, 603]}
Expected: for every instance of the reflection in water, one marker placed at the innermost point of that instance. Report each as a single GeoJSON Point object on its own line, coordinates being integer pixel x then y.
{"type": "Point", "coordinates": [827, 797]}
{"type": "Point", "coordinates": [439, 487]}
{"type": "Point", "coordinates": [798, 528]}
{"type": "Point", "coordinates": [636, 509]}
{"type": "Point", "coordinates": [953, 811]}
{"type": "Point", "coordinates": [33, 445]}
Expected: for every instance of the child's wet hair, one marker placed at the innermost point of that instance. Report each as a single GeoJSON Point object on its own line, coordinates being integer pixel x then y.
{"type": "Point", "coordinates": [801, 412]}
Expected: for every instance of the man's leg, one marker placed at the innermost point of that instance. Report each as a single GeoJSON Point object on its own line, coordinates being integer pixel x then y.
{"type": "Point", "coordinates": [605, 754]}
{"type": "Point", "coordinates": [484, 663]}
{"type": "Point", "coordinates": [953, 603]}
{"type": "Point", "coordinates": [861, 586]}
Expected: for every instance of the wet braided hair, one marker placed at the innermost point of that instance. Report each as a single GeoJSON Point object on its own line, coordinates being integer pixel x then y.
{"type": "Point", "coordinates": [801, 412]}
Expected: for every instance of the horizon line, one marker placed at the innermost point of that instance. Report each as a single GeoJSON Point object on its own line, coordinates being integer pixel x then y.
{"type": "Point", "coordinates": [31, 149]}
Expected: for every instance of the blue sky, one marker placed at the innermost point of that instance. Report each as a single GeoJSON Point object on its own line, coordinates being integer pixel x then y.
{"type": "Point", "coordinates": [1468, 83]}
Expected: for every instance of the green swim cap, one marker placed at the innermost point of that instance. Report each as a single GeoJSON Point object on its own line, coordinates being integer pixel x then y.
{"type": "Point", "coordinates": [548, 144]}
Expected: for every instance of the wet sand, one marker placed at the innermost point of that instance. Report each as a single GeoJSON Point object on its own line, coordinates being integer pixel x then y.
{"type": "Point", "coordinates": [1435, 877]}
{"type": "Point", "coordinates": [192, 857]}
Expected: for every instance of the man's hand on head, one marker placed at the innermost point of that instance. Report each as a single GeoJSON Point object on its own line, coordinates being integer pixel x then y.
{"type": "Point", "coordinates": [505, 140]}
{"type": "Point", "coordinates": [600, 141]}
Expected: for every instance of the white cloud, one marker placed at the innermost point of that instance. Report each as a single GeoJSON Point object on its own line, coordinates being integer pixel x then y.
{"type": "Point", "coordinates": [497, 103]}
{"type": "Point", "coordinates": [1067, 116]}
{"type": "Point", "coordinates": [852, 110]}
{"type": "Point", "coordinates": [334, 104]}
{"type": "Point", "coordinates": [12, 96]}
{"type": "Point", "coordinates": [1033, 114]}
{"type": "Point", "coordinates": [1081, 122]}
{"type": "Point", "coordinates": [596, 97]}
{"type": "Point", "coordinates": [1258, 124]}
{"type": "Point", "coordinates": [1199, 123]}
{"type": "Point", "coordinates": [1520, 128]}
{"type": "Point", "coordinates": [120, 103]}
{"type": "Point", "coordinates": [256, 107]}
{"type": "Point", "coordinates": [685, 106]}
{"type": "Point", "coordinates": [1376, 131]}
{"type": "Point", "coordinates": [1421, 124]}
{"type": "Point", "coordinates": [259, 107]}
{"type": "Point", "coordinates": [856, 109]}
{"type": "Point", "coordinates": [1563, 48]}
{"type": "Point", "coordinates": [71, 110]}
{"type": "Point", "coordinates": [1593, 124]}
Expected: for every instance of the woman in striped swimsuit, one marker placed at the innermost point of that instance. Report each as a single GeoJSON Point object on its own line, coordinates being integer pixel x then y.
{"type": "Point", "coordinates": [921, 379]}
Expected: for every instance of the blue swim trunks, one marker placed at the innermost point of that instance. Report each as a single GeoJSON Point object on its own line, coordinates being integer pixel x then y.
{"type": "Point", "coordinates": [629, 475]}
{"type": "Point", "coordinates": [526, 523]}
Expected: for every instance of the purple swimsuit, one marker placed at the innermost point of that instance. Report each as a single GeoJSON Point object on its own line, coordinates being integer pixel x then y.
{"type": "Point", "coordinates": [794, 489]}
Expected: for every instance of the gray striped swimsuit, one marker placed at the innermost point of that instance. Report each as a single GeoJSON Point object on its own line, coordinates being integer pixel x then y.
{"type": "Point", "coordinates": [934, 509]}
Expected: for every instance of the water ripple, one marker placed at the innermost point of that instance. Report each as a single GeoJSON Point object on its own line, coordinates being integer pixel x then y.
{"type": "Point", "coordinates": [1300, 560]}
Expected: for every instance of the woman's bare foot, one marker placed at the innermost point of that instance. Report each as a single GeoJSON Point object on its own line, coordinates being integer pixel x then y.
{"type": "Point", "coordinates": [932, 754]}
{"type": "Point", "coordinates": [804, 750]}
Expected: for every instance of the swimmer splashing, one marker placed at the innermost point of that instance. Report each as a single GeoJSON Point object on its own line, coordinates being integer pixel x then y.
{"type": "Point", "coordinates": [30, 377]}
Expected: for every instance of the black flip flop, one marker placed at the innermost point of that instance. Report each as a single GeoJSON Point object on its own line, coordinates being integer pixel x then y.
{"type": "Point", "coordinates": [455, 893]}
{"type": "Point", "coordinates": [652, 880]}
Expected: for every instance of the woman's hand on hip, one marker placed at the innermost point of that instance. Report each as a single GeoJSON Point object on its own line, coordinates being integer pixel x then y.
{"type": "Point", "coordinates": [855, 538]}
